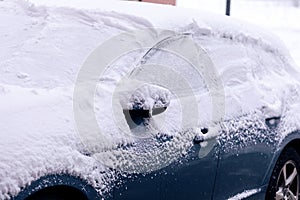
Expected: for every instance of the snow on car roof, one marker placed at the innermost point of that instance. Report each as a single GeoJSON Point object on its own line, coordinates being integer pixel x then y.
{"type": "Point", "coordinates": [172, 17]}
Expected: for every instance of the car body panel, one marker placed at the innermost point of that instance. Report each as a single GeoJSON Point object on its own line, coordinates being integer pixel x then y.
{"type": "Point", "coordinates": [192, 177]}
{"type": "Point", "coordinates": [185, 179]}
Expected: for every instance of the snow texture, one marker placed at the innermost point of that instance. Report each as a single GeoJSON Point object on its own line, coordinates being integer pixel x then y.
{"type": "Point", "coordinates": [43, 46]}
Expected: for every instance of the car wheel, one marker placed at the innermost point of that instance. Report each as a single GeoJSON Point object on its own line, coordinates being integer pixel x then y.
{"type": "Point", "coordinates": [46, 197]}
{"type": "Point", "coordinates": [284, 183]}
{"type": "Point", "coordinates": [57, 193]}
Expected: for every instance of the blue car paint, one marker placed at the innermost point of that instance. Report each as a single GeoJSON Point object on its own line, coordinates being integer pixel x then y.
{"type": "Point", "coordinates": [235, 171]}
{"type": "Point", "coordinates": [244, 167]}
{"type": "Point", "coordinates": [188, 178]}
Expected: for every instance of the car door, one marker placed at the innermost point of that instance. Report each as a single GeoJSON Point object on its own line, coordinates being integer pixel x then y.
{"type": "Point", "coordinates": [193, 177]}
{"type": "Point", "coordinates": [259, 86]}
{"type": "Point", "coordinates": [190, 177]}
{"type": "Point", "coordinates": [188, 156]}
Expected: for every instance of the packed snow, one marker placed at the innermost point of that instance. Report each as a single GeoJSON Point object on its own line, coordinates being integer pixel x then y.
{"type": "Point", "coordinates": [146, 97]}
{"type": "Point", "coordinates": [279, 16]}
{"type": "Point", "coordinates": [44, 46]}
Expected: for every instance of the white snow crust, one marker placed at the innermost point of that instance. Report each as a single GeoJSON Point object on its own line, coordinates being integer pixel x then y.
{"type": "Point", "coordinates": [44, 44]}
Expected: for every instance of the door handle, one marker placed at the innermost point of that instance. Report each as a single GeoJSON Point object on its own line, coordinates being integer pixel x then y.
{"type": "Point", "coordinates": [272, 115]}
{"type": "Point", "coordinates": [272, 122]}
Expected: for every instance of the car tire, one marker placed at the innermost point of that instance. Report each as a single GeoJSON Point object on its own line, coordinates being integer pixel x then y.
{"type": "Point", "coordinates": [284, 182]}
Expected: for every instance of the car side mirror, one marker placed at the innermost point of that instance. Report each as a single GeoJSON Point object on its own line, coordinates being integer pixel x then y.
{"type": "Point", "coordinates": [136, 117]}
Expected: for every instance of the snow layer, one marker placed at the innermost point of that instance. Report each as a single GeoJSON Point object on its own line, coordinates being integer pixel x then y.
{"type": "Point", "coordinates": [146, 97]}
{"type": "Point", "coordinates": [280, 17]}
{"type": "Point", "coordinates": [43, 48]}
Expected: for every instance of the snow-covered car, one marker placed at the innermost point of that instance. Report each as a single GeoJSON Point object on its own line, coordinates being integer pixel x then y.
{"type": "Point", "coordinates": [111, 101]}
